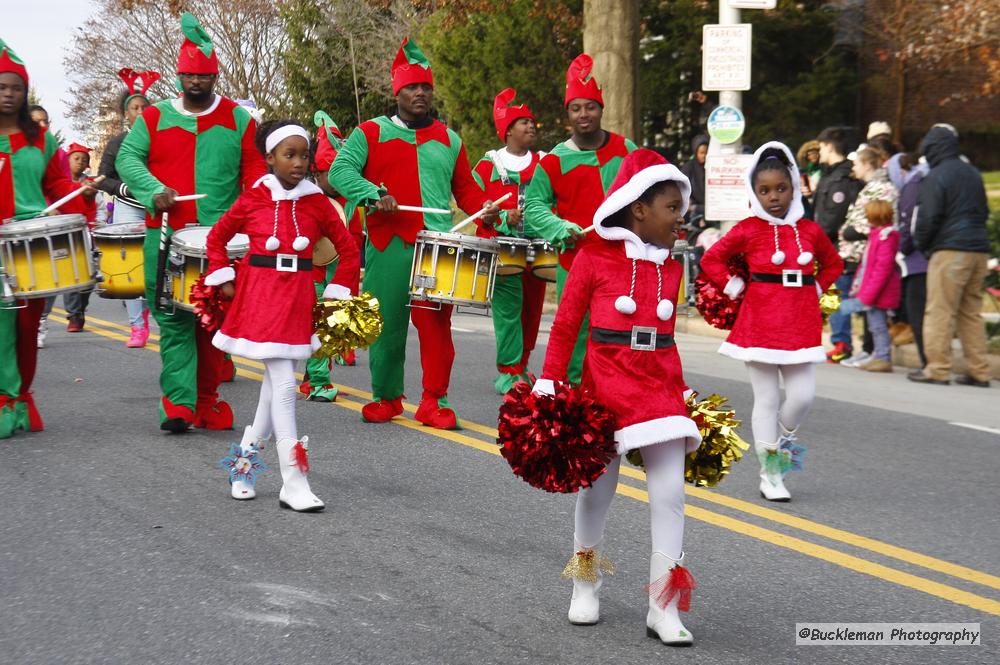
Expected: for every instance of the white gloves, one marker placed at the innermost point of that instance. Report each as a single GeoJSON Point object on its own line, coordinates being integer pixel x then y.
{"type": "Point", "coordinates": [336, 292]}
{"type": "Point", "coordinates": [734, 287]}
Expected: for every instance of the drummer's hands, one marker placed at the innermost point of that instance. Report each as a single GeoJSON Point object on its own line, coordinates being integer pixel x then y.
{"type": "Point", "coordinates": [165, 200]}
{"type": "Point", "coordinates": [387, 204]}
{"type": "Point", "coordinates": [492, 214]}
{"type": "Point", "coordinates": [572, 233]}
{"type": "Point", "coordinates": [514, 217]}
{"type": "Point", "coordinates": [89, 190]}
{"type": "Point", "coordinates": [228, 290]}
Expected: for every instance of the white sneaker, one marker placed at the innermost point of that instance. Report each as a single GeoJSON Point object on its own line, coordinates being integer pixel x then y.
{"type": "Point", "coordinates": [295, 493]}
{"type": "Point", "coordinates": [664, 623]}
{"type": "Point", "coordinates": [43, 331]}
{"type": "Point", "coordinates": [857, 359]}
{"type": "Point", "coordinates": [772, 486]}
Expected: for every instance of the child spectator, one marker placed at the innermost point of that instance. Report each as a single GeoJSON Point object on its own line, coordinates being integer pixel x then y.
{"type": "Point", "coordinates": [880, 283]}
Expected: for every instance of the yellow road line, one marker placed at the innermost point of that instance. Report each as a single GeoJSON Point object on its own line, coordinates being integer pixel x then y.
{"type": "Point", "coordinates": [789, 542]}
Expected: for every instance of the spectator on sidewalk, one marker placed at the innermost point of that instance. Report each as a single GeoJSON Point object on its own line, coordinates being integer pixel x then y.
{"type": "Point", "coordinates": [951, 230]}
{"type": "Point", "coordinates": [836, 191]}
{"type": "Point", "coordinates": [878, 284]}
{"type": "Point", "coordinates": [694, 169]}
{"type": "Point", "coordinates": [908, 176]}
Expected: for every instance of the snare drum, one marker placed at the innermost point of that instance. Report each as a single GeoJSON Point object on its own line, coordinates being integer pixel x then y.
{"type": "Point", "coordinates": [324, 253]}
{"type": "Point", "coordinates": [543, 260]}
{"type": "Point", "coordinates": [512, 258]}
{"type": "Point", "coordinates": [46, 256]}
{"type": "Point", "coordinates": [453, 269]}
{"type": "Point", "coordinates": [189, 260]}
{"type": "Point", "coordinates": [120, 259]}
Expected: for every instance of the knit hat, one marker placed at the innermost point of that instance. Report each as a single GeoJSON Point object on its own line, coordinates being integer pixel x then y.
{"type": "Point", "coordinates": [580, 82]}
{"type": "Point", "coordinates": [506, 114]}
{"type": "Point", "coordinates": [640, 170]}
{"type": "Point", "coordinates": [197, 55]}
{"type": "Point", "coordinates": [76, 147]}
{"type": "Point", "coordinates": [795, 211]}
{"type": "Point", "coordinates": [328, 141]}
{"type": "Point", "coordinates": [877, 128]}
{"type": "Point", "coordinates": [137, 83]}
{"type": "Point", "coordinates": [410, 66]}
{"type": "Point", "coordinates": [9, 62]}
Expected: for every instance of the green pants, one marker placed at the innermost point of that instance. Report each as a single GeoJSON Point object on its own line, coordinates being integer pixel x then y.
{"type": "Point", "coordinates": [13, 414]}
{"type": "Point", "coordinates": [575, 370]}
{"type": "Point", "coordinates": [318, 369]}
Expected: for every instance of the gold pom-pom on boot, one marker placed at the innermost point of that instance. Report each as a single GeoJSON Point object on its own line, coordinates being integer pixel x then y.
{"type": "Point", "coordinates": [586, 568]}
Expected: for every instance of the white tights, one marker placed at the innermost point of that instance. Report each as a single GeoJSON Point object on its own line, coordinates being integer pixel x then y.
{"type": "Point", "coordinates": [276, 408]}
{"type": "Point", "coordinates": [768, 409]}
{"type": "Point", "coordinates": [665, 482]}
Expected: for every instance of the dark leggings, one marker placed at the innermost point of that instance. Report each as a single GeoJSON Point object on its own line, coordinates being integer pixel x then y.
{"type": "Point", "coordinates": [915, 290]}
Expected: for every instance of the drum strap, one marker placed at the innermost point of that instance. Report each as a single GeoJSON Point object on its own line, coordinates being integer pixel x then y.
{"type": "Point", "coordinates": [263, 261]}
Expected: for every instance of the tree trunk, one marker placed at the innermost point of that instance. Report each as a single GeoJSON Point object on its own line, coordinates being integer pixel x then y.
{"type": "Point", "coordinates": [611, 37]}
{"type": "Point", "coordinates": [897, 124]}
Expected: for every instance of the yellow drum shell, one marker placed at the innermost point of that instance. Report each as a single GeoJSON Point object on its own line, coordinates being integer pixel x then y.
{"type": "Point", "coordinates": [189, 260]}
{"type": "Point", "coordinates": [512, 257]}
{"type": "Point", "coordinates": [543, 260]}
{"type": "Point", "coordinates": [453, 269]}
{"type": "Point", "coordinates": [46, 256]}
{"type": "Point", "coordinates": [121, 259]}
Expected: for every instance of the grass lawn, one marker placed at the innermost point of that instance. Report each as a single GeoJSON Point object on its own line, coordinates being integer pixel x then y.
{"type": "Point", "coordinates": [992, 180]}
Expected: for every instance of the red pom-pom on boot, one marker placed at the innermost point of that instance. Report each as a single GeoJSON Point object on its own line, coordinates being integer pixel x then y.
{"type": "Point", "coordinates": [382, 411]}
{"type": "Point", "coordinates": [670, 586]}
{"type": "Point", "coordinates": [218, 416]}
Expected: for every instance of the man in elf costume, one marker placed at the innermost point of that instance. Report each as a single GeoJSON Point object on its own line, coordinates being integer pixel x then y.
{"type": "Point", "coordinates": [199, 143]}
{"type": "Point", "coordinates": [409, 159]}
{"type": "Point", "coordinates": [517, 299]}
{"type": "Point", "coordinates": [30, 171]}
{"type": "Point", "coordinates": [570, 182]}
{"type": "Point", "coordinates": [316, 385]}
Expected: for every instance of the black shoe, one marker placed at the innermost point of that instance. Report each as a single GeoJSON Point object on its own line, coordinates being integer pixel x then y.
{"type": "Point", "coordinates": [966, 380]}
{"type": "Point", "coordinates": [918, 376]}
{"type": "Point", "coordinates": [175, 425]}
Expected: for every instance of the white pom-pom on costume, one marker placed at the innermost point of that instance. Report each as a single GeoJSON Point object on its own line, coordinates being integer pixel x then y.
{"type": "Point", "coordinates": [300, 243]}
{"type": "Point", "coordinates": [805, 258]}
{"type": "Point", "coordinates": [625, 305]}
{"type": "Point", "coordinates": [272, 244]}
{"type": "Point", "coordinates": [778, 258]}
{"type": "Point", "coordinates": [664, 310]}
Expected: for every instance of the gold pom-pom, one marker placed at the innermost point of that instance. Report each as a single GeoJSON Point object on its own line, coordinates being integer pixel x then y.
{"type": "Point", "coordinates": [720, 448]}
{"type": "Point", "coordinates": [829, 302]}
{"type": "Point", "coordinates": [585, 565]}
{"type": "Point", "coordinates": [344, 325]}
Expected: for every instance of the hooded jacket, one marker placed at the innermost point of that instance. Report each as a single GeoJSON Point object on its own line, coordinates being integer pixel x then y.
{"type": "Point", "coordinates": [834, 195]}
{"type": "Point", "coordinates": [695, 172]}
{"type": "Point", "coordinates": [951, 208]}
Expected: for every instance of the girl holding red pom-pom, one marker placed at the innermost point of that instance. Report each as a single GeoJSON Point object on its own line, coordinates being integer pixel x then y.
{"type": "Point", "coordinates": [271, 316]}
{"type": "Point", "coordinates": [629, 285]}
{"type": "Point", "coordinates": [778, 330]}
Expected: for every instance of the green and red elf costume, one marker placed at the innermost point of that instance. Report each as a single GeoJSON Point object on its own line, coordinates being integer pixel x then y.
{"type": "Point", "coordinates": [212, 153]}
{"type": "Point", "coordinates": [419, 166]}
{"type": "Point", "coordinates": [317, 385]}
{"type": "Point", "coordinates": [569, 185]}
{"type": "Point", "coordinates": [517, 299]}
{"type": "Point", "coordinates": [30, 174]}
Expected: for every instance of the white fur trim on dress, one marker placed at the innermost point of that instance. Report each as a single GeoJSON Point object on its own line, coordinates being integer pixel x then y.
{"type": "Point", "coordinates": [260, 350]}
{"type": "Point", "coordinates": [220, 276]}
{"type": "Point", "coordinates": [337, 292]}
{"type": "Point", "coordinates": [795, 211]}
{"type": "Point", "coordinates": [756, 354]}
{"type": "Point", "coordinates": [279, 193]}
{"type": "Point", "coordinates": [635, 188]}
{"type": "Point", "coordinates": [659, 430]}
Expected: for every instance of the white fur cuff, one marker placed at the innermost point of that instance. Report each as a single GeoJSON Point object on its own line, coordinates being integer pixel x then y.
{"type": "Point", "coordinates": [337, 292]}
{"type": "Point", "coordinates": [734, 286]}
{"type": "Point", "coordinates": [220, 276]}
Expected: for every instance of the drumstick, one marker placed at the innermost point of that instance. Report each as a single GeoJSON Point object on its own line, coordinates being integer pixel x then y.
{"type": "Point", "coordinates": [72, 195]}
{"type": "Point", "coordinates": [190, 197]}
{"type": "Point", "coordinates": [479, 214]}
{"type": "Point", "coordinates": [430, 211]}
{"type": "Point", "coordinates": [589, 229]}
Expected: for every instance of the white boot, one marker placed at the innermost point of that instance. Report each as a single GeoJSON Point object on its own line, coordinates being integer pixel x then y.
{"type": "Point", "coordinates": [43, 331]}
{"type": "Point", "coordinates": [295, 493]}
{"type": "Point", "coordinates": [243, 490]}
{"type": "Point", "coordinates": [771, 461]}
{"type": "Point", "coordinates": [788, 445]}
{"type": "Point", "coordinates": [663, 620]}
{"type": "Point", "coordinates": [586, 569]}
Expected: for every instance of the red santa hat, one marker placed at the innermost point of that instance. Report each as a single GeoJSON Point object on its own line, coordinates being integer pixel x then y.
{"type": "Point", "coordinates": [410, 66]}
{"type": "Point", "coordinates": [506, 114]}
{"type": "Point", "coordinates": [580, 81]}
{"type": "Point", "coordinates": [10, 63]}
{"type": "Point", "coordinates": [328, 141]}
{"type": "Point", "coordinates": [197, 54]}
{"type": "Point", "coordinates": [77, 147]}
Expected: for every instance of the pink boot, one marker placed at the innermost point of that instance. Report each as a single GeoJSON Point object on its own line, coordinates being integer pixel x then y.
{"type": "Point", "coordinates": [140, 335]}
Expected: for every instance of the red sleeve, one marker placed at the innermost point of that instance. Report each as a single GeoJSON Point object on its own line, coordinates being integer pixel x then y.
{"type": "Point", "coordinates": [467, 192]}
{"type": "Point", "coordinates": [252, 164]}
{"type": "Point", "coordinates": [56, 185]}
{"type": "Point", "coordinates": [830, 263]}
{"type": "Point", "coordinates": [349, 259]}
{"type": "Point", "coordinates": [222, 232]}
{"type": "Point", "coordinates": [713, 263]}
{"type": "Point", "coordinates": [569, 317]}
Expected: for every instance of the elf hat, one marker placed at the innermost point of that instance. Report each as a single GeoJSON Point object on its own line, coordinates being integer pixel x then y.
{"type": "Point", "coordinates": [197, 54]}
{"type": "Point", "coordinates": [506, 114]}
{"type": "Point", "coordinates": [410, 66]}
{"type": "Point", "coordinates": [9, 62]}
{"type": "Point", "coordinates": [76, 147]}
{"type": "Point", "coordinates": [137, 83]}
{"type": "Point", "coordinates": [580, 81]}
{"type": "Point", "coordinates": [328, 141]}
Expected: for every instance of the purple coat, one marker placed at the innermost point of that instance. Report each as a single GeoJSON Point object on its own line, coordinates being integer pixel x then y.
{"type": "Point", "coordinates": [914, 261]}
{"type": "Point", "coordinates": [881, 285]}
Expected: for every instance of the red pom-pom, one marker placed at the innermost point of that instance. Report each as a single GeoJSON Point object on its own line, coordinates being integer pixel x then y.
{"type": "Point", "coordinates": [301, 457]}
{"type": "Point", "coordinates": [209, 306]}
{"type": "Point", "coordinates": [678, 582]}
{"type": "Point", "coordinates": [558, 443]}
{"type": "Point", "coordinates": [718, 309]}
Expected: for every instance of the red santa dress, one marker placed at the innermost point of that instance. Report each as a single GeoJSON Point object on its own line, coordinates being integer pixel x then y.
{"type": "Point", "coordinates": [791, 262]}
{"type": "Point", "coordinates": [632, 366]}
{"type": "Point", "coordinates": [271, 314]}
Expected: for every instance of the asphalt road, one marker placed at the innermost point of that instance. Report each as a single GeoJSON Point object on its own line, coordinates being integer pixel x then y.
{"type": "Point", "coordinates": [120, 544]}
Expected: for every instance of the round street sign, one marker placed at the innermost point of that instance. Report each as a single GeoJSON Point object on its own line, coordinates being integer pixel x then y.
{"type": "Point", "coordinates": [726, 124]}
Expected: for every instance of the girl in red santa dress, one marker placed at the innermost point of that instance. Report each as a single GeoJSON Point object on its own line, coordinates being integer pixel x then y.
{"type": "Point", "coordinates": [778, 331]}
{"type": "Point", "coordinates": [629, 284]}
{"type": "Point", "coordinates": [271, 314]}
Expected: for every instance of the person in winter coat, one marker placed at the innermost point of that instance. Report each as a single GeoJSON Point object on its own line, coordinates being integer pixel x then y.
{"type": "Point", "coordinates": [694, 169]}
{"type": "Point", "coordinates": [951, 229]}
{"type": "Point", "coordinates": [880, 287]}
{"type": "Point", "coordinates": [908, 175]}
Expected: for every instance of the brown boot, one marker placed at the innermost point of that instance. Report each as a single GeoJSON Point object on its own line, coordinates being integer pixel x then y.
{"type": "Point", "coordinates": [877, 365]}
